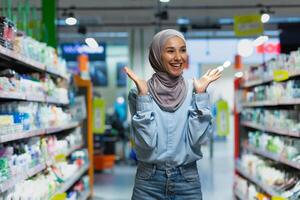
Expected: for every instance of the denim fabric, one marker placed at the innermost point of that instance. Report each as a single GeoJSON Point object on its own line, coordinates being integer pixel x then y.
{"type": "Point", "coordinates": [173, 137]}
{"type": "Point", "coordinates": [154, 182]}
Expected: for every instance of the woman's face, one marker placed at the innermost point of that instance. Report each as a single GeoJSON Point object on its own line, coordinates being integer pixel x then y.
{"type": "Point", "coordinates": [174, 56]}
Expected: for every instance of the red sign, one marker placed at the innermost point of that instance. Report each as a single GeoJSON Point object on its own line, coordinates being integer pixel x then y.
{"type": "Point", "coordinates": [268, 48]}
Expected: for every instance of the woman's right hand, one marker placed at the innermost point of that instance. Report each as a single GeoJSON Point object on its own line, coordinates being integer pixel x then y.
{"type": "Point", "coordinates": [140, 83]}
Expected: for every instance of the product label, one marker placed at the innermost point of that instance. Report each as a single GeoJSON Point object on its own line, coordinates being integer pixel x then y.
{"type": "Point", "coordinates": [62, 196]}
{"type": "Point", "coordinates": [280, 75]}
{"type": "Point", "coordinates": [60, 158]}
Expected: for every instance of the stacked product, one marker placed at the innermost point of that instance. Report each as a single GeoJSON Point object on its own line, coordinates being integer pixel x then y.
{"type": "Point", "coordinates": [268, 130]}
{"type": "Point", "coordinates": [7, 32]}
{"type": "Point", "coordinates": [285, 183]}
{"type": "Point", "coordinates": [290, 63]}
{"type": "Point", "coordinates": [27, 116]}
{"type": "Point", "coordinates": [49, 181]}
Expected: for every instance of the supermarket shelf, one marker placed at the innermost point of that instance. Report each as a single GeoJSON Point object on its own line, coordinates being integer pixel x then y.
{"type": "Point", "coordinates": [28, 134]}
{"type": "Point", "coordinates": [31, 97]}
{"type": "Point", "coordinates": [8, 54]}
{"type": "Point", "coordinates": [11, 55]}
{"type": "Point", "coordinates": [257, 182]}
{"type": "Point", "coordinates": [283, 101]}
{"type": "Point", "coordinates": [16, 179]}
{"type": "Point", "coordinates": [273, 156]}
{"type": "Point", "coordinates": [270, 129]}
{"type": "Point", "coordinates": [260, 103]}
{"type": "Point", "coordinates": [85, 195]}
{"type": "Point", "coordinates": [66, 185]}
{"type": "Point", "coordinates": [256, 82]}
{"type": "Point", "coordinates": [35, 97]}
{"type": "Point", "coordinates": [53, 72]}
{"type": "Point", "coordinates": [61, 128]}
{"type": "Point", "coordinates": [252, 83]}
{"type": "Point", "coordinates": [12, 95]}
{"type": "Point", "coordinates": [55, 101]}
{"type": "Point", "coordinates": [21, 135]}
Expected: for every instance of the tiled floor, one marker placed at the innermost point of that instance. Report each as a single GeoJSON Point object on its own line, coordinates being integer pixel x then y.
{"type": "Point", "coordinates": [216, 176]}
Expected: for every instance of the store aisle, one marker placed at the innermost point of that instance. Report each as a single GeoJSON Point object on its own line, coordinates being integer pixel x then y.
{"type": "Point", "coordinates": [216, 176]}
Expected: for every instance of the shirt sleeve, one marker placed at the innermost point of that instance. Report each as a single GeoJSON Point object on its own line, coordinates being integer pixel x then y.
{"type": "Point", "coordinates": [143, 126]}
{"type": "Point", "coordinates": [199, 119]}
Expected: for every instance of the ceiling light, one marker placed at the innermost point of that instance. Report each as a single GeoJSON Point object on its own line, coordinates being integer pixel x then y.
{"type": "Point", "coordinates": [91, 42]}
{"type": "Point", "coordinates": [245, 48]}
{"type": "Point", "coordinates": [164, 1]}
{"type": "Point", "coordinates": [260, 40]}
{"type": "Point", "coordinates": [265, 18]}
{"type": "Point", "coordinates": [183, 21]}
{"type": "Point", "coordinates": [239, 74]}
{"type": "Point", "coordinates": [226, 64]}
{"type": "Point", "coordinates": [71, 21]}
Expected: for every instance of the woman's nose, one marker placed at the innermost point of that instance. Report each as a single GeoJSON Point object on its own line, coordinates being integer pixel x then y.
{"type": "Point", "coordinates": [177, 56]}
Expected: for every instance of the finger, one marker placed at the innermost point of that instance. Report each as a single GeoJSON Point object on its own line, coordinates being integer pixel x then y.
{"type": "Point", "coordinates": [217, 77]}
{"type": "Point", "coordinates": [218, 73]}
{"type": "Point", "coordinates": [214, 71]}
{"type": "Point", "coordinates": [131, 74]}
{"type": "Point", "coordinates": [208, 72]}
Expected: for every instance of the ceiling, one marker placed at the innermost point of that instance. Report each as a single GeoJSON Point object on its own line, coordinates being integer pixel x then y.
{"type": "Point", "coordinates": [123, 15]}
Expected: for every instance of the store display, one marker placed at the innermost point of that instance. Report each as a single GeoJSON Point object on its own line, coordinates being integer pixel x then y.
{"type": "Point", "coordinates": [34, 109]}
{"type": "Point", "coordinates": [268, 125]}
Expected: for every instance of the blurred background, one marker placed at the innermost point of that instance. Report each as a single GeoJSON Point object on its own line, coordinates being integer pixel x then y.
{"type": "Point", "coordinates": [64, 118]}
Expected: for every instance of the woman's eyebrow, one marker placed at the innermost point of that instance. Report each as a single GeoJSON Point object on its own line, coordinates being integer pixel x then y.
{"type": "Point", "coordinates": [170, 47]}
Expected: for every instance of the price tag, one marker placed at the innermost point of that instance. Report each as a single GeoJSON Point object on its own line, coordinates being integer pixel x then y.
{"type": "Point", "coordinates": [60, 158]}
{"type": "Point", "coordinates": [62, 196]}
{"type": "Point", "coordinates": [278, 198]}
{"type": "Point", "coordinates": [280, 75]}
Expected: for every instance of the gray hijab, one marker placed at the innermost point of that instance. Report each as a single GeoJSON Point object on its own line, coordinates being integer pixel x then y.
{"type": "Point", "coordinates": [168, 92]}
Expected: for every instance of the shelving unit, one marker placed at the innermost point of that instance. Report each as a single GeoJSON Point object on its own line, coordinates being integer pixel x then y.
{"type": "Point", "coordinates": [257, 182]}
{"type": "Point", "coordinates": [17, 61]}
{"type": "Point", "coordinates": [241, 129]}
{"type": "Point", "coordinates": [266, 80]}
{"type": "Point", "coordinates": [67, 184]}
{"type": "Point", "coordinates": [86, 88]}
{"type": "Point", "coordinates": [270, 129]}
{"type": "Point", "coordinates": [272, 156]}
{"type": "Point", "coordinates": [20, 177]}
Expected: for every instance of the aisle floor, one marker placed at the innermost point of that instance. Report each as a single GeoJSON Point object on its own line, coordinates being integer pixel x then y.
{"type": "Point", "coordinates": [216, 176]}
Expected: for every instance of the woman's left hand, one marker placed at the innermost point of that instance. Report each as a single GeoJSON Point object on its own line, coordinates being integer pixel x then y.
{"type": "Point", "coordinates": [210, 76]}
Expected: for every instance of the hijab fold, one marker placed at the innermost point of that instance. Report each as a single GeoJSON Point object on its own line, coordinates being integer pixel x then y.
{"type": "Point", "coordinates": [168, 92]}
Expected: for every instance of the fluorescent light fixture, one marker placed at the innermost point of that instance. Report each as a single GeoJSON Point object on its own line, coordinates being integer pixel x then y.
{"type": "Point", "coordinates": [183, 21]}
{"type": "Point", "coordinates": [71, 21]}
{"type": "Point", "coordinates": [164, 1]}
{"type": "Point", "coordinates": [245, 48]}
{"type": "Point", "coordinates": [260, 40]}
{"type": "Point", "coordinates": [91, 42]}
{"type": "Point", "coordinates": [265, 18]}
{"type": "Point", "coordinates": [239, 74]}
{"type": "Point", "coordinates": [226, 64]}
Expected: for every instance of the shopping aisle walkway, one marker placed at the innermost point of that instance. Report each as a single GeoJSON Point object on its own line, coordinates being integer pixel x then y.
{"type": "Point", "coordinates": [216, 177]}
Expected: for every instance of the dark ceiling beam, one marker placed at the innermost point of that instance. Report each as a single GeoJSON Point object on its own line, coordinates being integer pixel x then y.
{"type": "Point", "coordinates": [218, 7]}
{"type": "Point", "coordinates": [194, 7]}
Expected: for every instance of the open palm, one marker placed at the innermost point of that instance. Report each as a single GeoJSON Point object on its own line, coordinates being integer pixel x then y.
{"type": "Point", "coordinates": [140, 83]}
{"type": "Point", "coordinates": [210, 76]}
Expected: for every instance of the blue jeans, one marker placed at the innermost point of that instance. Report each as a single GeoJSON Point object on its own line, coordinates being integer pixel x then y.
{"type": "Point", "coordinates": [153, 182]}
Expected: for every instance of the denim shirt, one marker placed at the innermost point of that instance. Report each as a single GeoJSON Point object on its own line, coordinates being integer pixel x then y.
{"type": "Point", "coordinates": [169, 138]}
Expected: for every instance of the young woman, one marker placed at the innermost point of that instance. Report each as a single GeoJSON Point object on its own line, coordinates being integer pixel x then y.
{"type": "Point", "coordinates": [170, 120]}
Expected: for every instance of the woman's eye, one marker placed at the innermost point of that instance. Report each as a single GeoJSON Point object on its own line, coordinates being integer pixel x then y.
{"type": "Point", "coordinates": [170, 51]}
{"type": "Point", "coordinates": [183, 50]}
